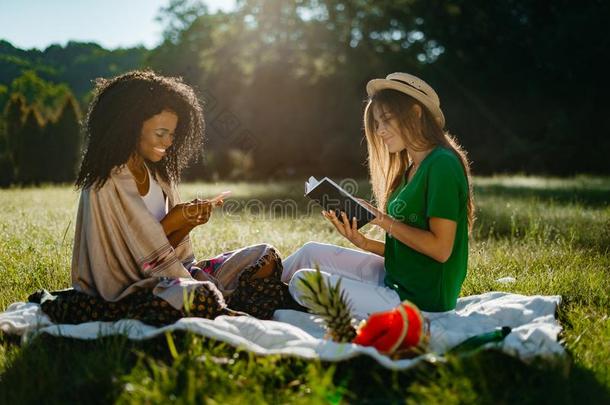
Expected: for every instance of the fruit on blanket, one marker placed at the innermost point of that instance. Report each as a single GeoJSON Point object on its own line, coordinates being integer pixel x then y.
{"type": "Point", "coordinates": [399, 332]}
{"type": "Point", "coordinates": [402, 329]}
{"type": "Point", "coordinates": [330, 303]}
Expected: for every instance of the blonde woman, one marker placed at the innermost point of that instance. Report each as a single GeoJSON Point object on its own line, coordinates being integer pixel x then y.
{"type": "Point", "coordinates": [421, 181]}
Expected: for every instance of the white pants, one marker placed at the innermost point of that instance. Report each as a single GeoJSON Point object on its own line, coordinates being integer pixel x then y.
{"type": "Point", "coordinates": [362, 275]}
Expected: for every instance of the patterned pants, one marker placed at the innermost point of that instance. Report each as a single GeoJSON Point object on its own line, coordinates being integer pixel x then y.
{"type": "Point", "coordinates": [262, 296]}
{"type": "Point", "coordinates": [258, 297]}
{"type": "Point", "coordinates": [72, 307]}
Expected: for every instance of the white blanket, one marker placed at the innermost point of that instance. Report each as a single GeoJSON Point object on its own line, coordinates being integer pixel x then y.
{"type": "Point", "coordinates": [534, 329]}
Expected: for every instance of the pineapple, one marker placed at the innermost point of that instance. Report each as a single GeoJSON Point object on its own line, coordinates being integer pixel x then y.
{"type": "Point", "coordinates": [330, 303]}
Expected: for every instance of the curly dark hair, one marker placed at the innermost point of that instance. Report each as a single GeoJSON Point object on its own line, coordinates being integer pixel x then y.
{"type": "Point", "coordinates": [114, 123]}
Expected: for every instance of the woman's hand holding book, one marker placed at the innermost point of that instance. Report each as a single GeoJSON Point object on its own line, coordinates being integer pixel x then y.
{"type": "Point", "coordinates": [379, 216]}
{"type": "Point", "coordinates": [346, 228]}
{"type": "Point", "coordinates": [349, 229]}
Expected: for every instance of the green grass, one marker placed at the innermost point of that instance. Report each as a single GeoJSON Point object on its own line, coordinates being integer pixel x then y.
{"type": "Point", "coordinates": [552, 235]}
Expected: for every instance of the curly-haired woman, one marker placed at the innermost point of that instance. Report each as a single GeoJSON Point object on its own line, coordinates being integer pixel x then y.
{"type": "Point", "coordinates": [132, 254]}
{"type": "Point", "coordinates": [421, 182]}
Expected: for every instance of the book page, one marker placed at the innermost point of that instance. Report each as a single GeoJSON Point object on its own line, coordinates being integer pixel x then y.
{"type": "Point", "coordinates": [310, 184]}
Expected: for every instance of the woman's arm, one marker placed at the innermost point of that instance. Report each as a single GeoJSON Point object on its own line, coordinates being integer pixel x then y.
{"type": "Point", "coordinates": [374, 246]}
{"type": "Point", "coordinates": [178, 236]}
{"type": "Point", "coordinates": [436, 243]}
{"type": "Point", "coordinates": [173, 221]}
{"type": "Point", "coordinates": [182, 218]}
{"type": "Point", "coordinates": [351, 233]}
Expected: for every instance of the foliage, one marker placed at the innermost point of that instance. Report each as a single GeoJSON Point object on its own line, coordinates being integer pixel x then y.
{"type": "Point", "coordinates": [330, 303]}
{"type": "Point", "coordinates": [11, 122]}
{"type": "Point", "coordinates": [520, 81]}
{"type": "Point", "coordinates": [35, 149]}
{"type": "Point", "coordinates": [74, 64]}
{"type": "Point", "coordinates": [293, 73]}
{"type": "Point", "coordinates": [45, 96]}
{"type": "Point", "coordinates": [64, 142]}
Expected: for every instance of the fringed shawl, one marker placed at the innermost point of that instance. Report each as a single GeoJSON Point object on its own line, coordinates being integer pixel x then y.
{"type": "Point", "coordinates": [119, 246]}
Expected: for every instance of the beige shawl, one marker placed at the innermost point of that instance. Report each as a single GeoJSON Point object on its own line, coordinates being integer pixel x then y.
{"type": "Point", "coordinates": [120, 247]}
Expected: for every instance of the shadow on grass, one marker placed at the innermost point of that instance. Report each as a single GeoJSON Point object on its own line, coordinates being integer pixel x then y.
{"type": "Point", "coordinates": [62, 370]}
{"type": "Point", "coordinates": [594, 198]}
{"type": "Point", "coordinates": [485, 377]}
{"type": "Point", "coordinates": [580, 231]}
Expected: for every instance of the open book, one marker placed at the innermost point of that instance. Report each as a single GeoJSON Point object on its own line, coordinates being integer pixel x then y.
{"type": "Point", "coordinates": [332, 197]}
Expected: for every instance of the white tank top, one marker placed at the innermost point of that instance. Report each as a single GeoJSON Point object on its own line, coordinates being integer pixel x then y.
{"type": "Point", "coordinates": [154, 200]}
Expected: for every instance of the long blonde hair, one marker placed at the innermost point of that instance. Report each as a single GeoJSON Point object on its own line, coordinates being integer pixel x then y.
{"type": "Point", "coordinates": [386, 169]}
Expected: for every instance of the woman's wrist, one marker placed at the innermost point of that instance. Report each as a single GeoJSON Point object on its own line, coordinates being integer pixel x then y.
{"type": "Point", "coordinates": [186, 227]}
{"type": "Point", "coordinates": [373, 246]}
{"type": "Point", "coordinates": [168, 225]}
{"type": "Point", "coordinates": [172, 223]}
{"type": "Point", "coordinates": [364, 244]}
{"type": "Point", "coordinates": [386, 222]}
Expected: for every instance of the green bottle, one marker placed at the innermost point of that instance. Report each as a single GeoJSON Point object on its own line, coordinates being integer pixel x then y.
{"type": "Point", "coordinates": [475, 342]}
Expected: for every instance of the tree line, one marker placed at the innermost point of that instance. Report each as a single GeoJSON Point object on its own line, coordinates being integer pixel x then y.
{"type": "Point", "coordinates": [42, 94]}
{"type": "Point", "coordinates": [521, 82]}
{"type": "Point", "coordinates": [283, 83]}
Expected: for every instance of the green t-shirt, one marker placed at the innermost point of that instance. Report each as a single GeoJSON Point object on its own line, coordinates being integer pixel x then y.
{"type": "Point", "coordinates": [439, 189]}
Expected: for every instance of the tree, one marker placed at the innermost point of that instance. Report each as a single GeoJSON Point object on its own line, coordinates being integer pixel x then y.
{"type": "Point", "coordinates": [63, 143]}
{"type": "Point", "coordinates": [74, 64]}
{"type": "Point", "coordinates": [14, 115]}
{"type": "Point", "coordinates": [516, 79]}
{"type": "Point", "coordinates": [31, 152]}
{"type": "Point", "coordinates": [4, 96]}
{"type": "Point", "coordinates": [6, 162]}
{"type": "Point", "coordinates": [46, 96]}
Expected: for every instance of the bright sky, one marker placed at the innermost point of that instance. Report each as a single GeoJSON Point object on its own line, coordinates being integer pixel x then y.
{"type": "Point", "coordinates": [111, 23]}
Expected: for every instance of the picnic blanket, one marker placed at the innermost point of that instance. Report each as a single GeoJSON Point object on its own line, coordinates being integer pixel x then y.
{"type": "Point", "coordinates": [532, 319]}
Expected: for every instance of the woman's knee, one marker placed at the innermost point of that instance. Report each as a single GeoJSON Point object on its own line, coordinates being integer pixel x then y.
{"type": "Point", "coordinates": [304, 257]}
{"type": "Point", "coordinates": [303, 254]}
{"type": "Point", "coordinates": [262, 247]}
{"type": "Point", "coordinates": [311, 247]}
{"type": "Point", "coordinates": [312, 251]}
{"type": "Point", "coordinates": [294, 280]}
{"type": "Point", "coordinates": [294, 284]}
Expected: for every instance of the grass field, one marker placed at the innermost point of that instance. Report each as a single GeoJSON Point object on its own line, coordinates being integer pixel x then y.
{"type": "Point", "coordinates": [552, 235]}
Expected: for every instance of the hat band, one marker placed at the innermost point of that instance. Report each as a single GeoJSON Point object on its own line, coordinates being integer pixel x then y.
{"type": "Point", "coordinates": [410, 85]}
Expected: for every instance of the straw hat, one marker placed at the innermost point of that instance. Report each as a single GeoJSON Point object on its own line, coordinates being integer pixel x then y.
{"type": "Point", "coordinates": [412, 86]}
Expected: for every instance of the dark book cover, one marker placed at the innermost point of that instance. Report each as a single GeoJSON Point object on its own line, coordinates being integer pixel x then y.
{"type": "Point", "coordinates": [332, 197]}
